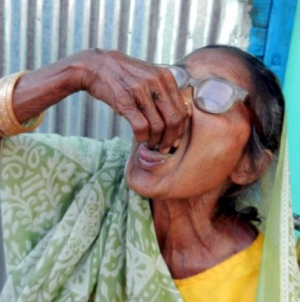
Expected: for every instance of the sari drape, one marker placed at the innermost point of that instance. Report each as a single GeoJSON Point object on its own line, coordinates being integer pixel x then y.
{"type": "Point", "coordinates": [73, 229]}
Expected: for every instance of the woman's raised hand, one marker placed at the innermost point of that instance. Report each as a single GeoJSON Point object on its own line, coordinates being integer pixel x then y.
{"type": "Point", "coordinates": [146, 95]}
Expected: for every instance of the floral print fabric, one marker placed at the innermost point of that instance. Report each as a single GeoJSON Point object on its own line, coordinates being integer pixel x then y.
{"type": "Point", "coordinates": [73, 230]}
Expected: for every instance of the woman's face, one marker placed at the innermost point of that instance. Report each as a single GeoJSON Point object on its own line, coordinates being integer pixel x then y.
{"type": "Point", "coordinates": [212, 146]}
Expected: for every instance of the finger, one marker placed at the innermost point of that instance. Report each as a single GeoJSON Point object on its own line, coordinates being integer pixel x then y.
{"type": "Point", "coordinates": [174, 92]}
{"type": "Point", "coordinates": [173, 121]}
{"type": "Point", "coordinates": [139, 126]}
{"type": "Point", "coordinates": [155, 121]}
{"type": "Point", "coordinates": [127, 107]}
{"type": "Point", "coordinates": [143, 101]}
{"type": "Point", "coordinates": [172, 108]}
{"type": "Point", "coordinates": [182, 110]}
{"type": "Point", "coordinates": [156, 125]}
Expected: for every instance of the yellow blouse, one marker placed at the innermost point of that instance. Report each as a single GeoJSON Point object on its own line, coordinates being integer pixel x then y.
{"type": "Point", "coordinates": [233, 280]}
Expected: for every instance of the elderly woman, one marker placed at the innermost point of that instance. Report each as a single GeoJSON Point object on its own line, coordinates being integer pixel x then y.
{"type": "Point", "coordinates": [169, 220]}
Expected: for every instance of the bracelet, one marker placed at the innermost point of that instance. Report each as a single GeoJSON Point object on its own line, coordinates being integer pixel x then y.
{"type": "Point", "coordinates": [9, 125]}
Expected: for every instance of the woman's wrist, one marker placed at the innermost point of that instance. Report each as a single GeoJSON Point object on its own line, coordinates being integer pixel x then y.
{"type": "Point", "coordinates": [86, 65]}
{"type": "Point", "coordinates": [25, 96]}
{"type": "Point", "coordinates": [9, 124]}
{"type": "Point", "coordinates": [40, 89]}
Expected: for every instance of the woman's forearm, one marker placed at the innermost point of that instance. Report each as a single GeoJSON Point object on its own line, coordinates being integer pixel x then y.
{"type": "Point", "coordinates": [37, 90]}
{"type": "Point", "coordinates": [146, 95]}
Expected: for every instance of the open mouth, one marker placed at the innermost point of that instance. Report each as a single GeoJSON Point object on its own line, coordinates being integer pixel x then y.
{"type": "Point", "coordinates": [151, 157]}
{"type": "Point", "coordinates": [170, 150]}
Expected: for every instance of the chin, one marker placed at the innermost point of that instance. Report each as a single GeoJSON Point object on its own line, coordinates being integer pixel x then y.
{"type": "Point", "coordinates": [143, 188]}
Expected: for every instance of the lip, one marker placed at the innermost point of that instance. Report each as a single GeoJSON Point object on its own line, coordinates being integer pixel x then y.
{"type": "Point", "coordinates": [150, 159]}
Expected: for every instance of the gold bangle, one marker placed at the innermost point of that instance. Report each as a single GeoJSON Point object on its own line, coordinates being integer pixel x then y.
{"type": "Point", "coordinates": [9, 125]}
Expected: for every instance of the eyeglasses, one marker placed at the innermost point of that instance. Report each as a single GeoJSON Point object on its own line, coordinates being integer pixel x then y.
{"type": "Point", "coordinates": [213, 95]}
{"type": "Point", "coordinates": [216, 95]}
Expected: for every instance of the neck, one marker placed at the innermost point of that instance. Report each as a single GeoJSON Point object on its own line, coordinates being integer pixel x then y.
{"type": "Point", "coordinates": [192, 240]}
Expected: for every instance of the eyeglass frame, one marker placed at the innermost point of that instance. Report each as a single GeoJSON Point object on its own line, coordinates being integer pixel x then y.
{"type": "Point", "coordinates": [240, 95]}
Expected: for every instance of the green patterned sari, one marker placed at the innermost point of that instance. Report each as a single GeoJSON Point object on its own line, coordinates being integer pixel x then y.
{"type": "Point", "coordinates": [74, 231]}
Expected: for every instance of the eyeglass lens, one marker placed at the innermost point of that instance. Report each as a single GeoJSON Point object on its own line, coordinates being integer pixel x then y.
{"type": "Point", "coordinates": [213, 96]}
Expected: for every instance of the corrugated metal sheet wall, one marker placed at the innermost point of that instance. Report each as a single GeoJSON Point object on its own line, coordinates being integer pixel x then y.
{"type": "Point", "coordinates": [36, 32]}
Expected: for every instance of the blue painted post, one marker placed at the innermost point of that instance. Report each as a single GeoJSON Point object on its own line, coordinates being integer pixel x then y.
{"type": "Point", "coordinates": [292, 94]}
{"type": "Point", "coordinates": [279, 36]}
{"type": "Point", "coordinates": [274, 24]}
{"type": "Point", "coordinates": [270, 35]}
{"type": "Point", "coordinates": [260, 15]}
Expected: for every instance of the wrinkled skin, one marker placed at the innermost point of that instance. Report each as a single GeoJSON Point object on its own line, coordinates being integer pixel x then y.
{"type": "Point", "coordinates": [211, 147]}
{"type": "Point", "coordinates": [146, 95]}
{"type": "Point", "coordinates": [185, 186]}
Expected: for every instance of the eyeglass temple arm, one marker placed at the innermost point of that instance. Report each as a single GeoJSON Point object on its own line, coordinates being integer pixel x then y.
{"type": "Point", "coordinates": [257, 124]}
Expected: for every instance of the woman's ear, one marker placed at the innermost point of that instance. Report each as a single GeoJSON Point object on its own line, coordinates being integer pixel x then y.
{"type": "Point", "coordinates": [247, 172]}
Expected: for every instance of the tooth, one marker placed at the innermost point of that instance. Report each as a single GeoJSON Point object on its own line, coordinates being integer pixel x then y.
{"type": "Point", "coordinates": [165, 150]}
{"type": "Point", "coordinates": [176, 143]}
